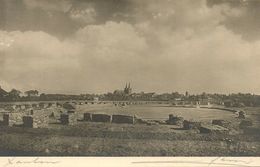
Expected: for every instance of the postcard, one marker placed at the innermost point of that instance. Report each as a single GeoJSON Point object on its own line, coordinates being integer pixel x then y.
{"type": "Point", "coordinates": [129, 82]}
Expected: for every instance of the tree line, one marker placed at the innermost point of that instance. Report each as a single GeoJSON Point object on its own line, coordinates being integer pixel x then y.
{"type": "Point", "coordinates": [234, 99]}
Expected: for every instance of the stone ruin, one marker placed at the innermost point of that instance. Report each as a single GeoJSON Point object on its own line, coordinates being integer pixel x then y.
{"type": "Point", "coordinates": [69, 106]}
{"type": "Point", "coordinates": [55, 114]}
{"type": "Point", "coordinates": [49, 105]}
{"type": "Point", "coordinates": [26, 106]}
{"type": "Point", "coordinates": [18, 107]}
{"type": "Point", "coordinates": [58, 104]}
{"type": "Point", "coordinates": [87, 117]}
{"type": "Point", "coordinates": [71, 111]}
{"type": "Point", "coordinates": [151, 122]}
{"type": "Point", "coordinates": [68, 119]}
{"type": "Point", "coordinates": [142, 121]}
{"type": "Point", "coordinates": [9, 107]}
{"type": "Point", "coordinates": [10, 119]}
{"type": "Point", "coordinates": [101, 118]}
{"type": "Point", "coordinates": [35, 105]}
{"type": "Point", "coordinates": [139, 120]}
{"type": "Point", "coordinates": [30, 118]}
{"type": "Point", "coordinates": [220, 122]}
{"type": "Point", "coordinates": [43, 105]}
{"type": "Point", "coordinates": [23, 107]}
{"type": "Point", "coordinates": [30, 112]}
{"type": "Point", "coordinates": [123, 119]}
{"type": "Point", "coordinates": [215, 129]}
{"type": "Point", "coordinates": [241, 115]}
{"type": "Point", "coordinates": [108, 118]}
{"type": "Point", "coordinates": [37, 119]}
{"type": "Point", "coordinates": [175, 120]}
{"type": "Point", "coordinates": [191, 125]}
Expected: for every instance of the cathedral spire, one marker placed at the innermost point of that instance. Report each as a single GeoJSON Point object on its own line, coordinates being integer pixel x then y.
{"type": "Point", "coordinates": [128, 89]}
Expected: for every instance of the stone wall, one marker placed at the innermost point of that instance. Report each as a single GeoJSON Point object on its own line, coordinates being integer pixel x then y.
{"type": "Point", "coordinates": [35, 105]}
{"type": "Point", "coordinates": [69, 106]}
{"type": "Point", "coordinates": [213, 129]}
{"type": "Point", "coordinates": [50, 104]}
{"type": "Point", "coordinates": [219, 122]}
{"type": "Point", "coordinates": [87, 117]}
{"type": "Point", "coordinates": [68, 119]}
{"type": "Point", "coordinates": [175, 120]}
{"type": "Point", "coordinates": [9, 119]}
{"type": "Point", "coordinates": [101, 118]}
{"type": "Point", "coordinates": [43, 105]}
{"type": "Point", "coordinates": [28, 121]}
{"type": "Point", "coordinates": [39, 119]}
{"type": "Point", "coordinates": [123, 119]}
{"type": "Point", "coordinates": [26, 106]}
{"type": "Point", "coordinates": [191, 125]}
{"type": "Point", "coordinates": [242, 115]}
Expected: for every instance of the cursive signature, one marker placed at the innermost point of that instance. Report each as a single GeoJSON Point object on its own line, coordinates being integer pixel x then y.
{"type": "Point", "coordinates": [222, 161]}
{"type": "Point", "coordinates": [230, 161]}
{"type": "Point", "coordinates": [227, 159]}
{"type": "Point", "coordinates": [16, 161]}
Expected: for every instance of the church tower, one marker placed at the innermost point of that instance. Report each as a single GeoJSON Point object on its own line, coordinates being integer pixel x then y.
{"type": "Point", "coordinates": [128, 89]}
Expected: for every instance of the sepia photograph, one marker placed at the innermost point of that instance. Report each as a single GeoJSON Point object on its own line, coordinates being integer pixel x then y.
{"type": "Point", "coordinates": [130, 78]}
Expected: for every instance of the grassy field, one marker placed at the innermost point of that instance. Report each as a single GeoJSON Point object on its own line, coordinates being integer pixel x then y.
{"type": "Point", "coordinates": [103, 139]}
{"type": "Point", "coordinates": [109, 139]}
{"type": "Point", "coordinates": [157, 111]}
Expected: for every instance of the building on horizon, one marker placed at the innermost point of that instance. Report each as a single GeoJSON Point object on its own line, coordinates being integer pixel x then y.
{"type": "Point", "coordinates": [128, 89]}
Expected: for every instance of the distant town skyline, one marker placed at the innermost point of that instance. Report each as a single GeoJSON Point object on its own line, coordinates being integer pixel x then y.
{"type": "Point", "coordinates": [125, 90]}
{"type": "Point", "coordinates": [75, 46]}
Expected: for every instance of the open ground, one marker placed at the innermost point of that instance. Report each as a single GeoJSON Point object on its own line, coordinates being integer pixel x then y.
{"type": "Point", "coordinates": [151, 137]}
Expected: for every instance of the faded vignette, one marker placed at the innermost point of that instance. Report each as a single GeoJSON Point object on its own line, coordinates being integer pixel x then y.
{"type": "Point", "coordinates": [127, 53]}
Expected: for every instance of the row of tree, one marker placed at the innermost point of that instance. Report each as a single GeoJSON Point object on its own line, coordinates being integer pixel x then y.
{"type": "Point", "coordinates": [239, 99]}
{"type": "Point", "coordinates": [15, 94]}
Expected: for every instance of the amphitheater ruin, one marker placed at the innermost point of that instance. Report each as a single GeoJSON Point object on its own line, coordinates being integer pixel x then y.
{"type": "Point", "coordinates": [38, 115]}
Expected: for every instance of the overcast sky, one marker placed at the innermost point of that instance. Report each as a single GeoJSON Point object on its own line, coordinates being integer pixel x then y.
{"type": "Point", "coordinates": [87, 46]}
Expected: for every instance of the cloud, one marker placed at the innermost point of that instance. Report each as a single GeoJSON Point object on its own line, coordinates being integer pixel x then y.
{"type": "Point", "coordinates": [247, 23]}
{"type": "Point", "coordinates": [49, 5]}
{"type": "Point", "coordinates": [111, 54]}
{"type": "Point", "coordinates": [94, 54]}
{"type": "Point", "coordinates": [85, 16]}
{"type": "Point", "coordinates": [167, 46]}
{"type": "Point", "coordinates": [220, 61]}
{"type": "Point", "coordinates": [198, 51]}
{"type": "Point", "coordinates": [36, 58]}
